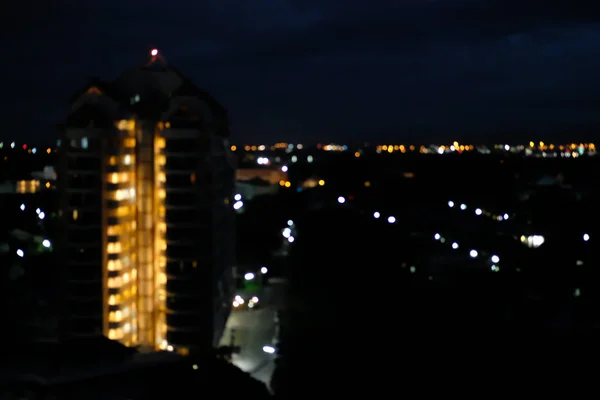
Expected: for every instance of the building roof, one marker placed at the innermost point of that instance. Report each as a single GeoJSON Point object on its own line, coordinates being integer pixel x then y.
{"type": "Point", "coordinates": [118, 93]}
{"type": "Point", "coordinates": [105, 87]}
{"type": "Point", "coordinates": [188, 88]}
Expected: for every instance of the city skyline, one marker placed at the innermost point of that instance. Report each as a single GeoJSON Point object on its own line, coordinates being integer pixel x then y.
{"type": "Point", "coordinates": [311, 71]}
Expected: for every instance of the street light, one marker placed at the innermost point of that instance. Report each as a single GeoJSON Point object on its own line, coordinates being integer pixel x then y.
{"type": "Point", "coordinates": [269, 349]}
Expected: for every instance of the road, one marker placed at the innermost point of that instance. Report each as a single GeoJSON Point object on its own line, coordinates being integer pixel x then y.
{"type": "Point", "coordinates": [253, 330]}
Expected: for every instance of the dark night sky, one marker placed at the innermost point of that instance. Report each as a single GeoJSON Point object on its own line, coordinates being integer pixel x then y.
{"type": "Point", "coordinates": [321, 69]}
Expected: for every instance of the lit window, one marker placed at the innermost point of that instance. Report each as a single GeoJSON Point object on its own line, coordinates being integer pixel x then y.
{"type": "Point", "coordinates": [75, 215]}
{"type": "Point", "coordinates": [114, 248]}
{"type": "Point", "coordinates": [114, 282]}
{"type": "Point", "coordinates": [84, 143]}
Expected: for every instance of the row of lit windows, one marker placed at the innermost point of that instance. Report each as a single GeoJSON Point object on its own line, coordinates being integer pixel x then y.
{"type": "Point", "coordinates": [118, 281]}
{"type": "Point", "coordinates": [119, 333]}
{"type": "Point", "coordinates": [123, 211]}
{"type": "Point", "coordinates": [123, 245]}
{"type": "Point", "coordinates": [123, 194]}
{"type": "Point", "coordinates": [120, 315]}
{"type": "Point", "coordinates": [120, 177]}
{"type": "Point", "coordinates": [127, 159]}
{"type": "Point", "coordinates": [30, 186]}
{"type": "Point", "coordinates": [125, 296]}
{"type": "Point", "coordinates": [123, 262]}
{"type": "Point", "coordinates": [116, 230]}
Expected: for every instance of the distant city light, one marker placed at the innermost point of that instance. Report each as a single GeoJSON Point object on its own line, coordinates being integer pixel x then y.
{"type": "Point", "coordinates": [376, 214]}
{"type": "Point", "coordinates": [473, 253]}
{"type": "Point", "coordinates": [309, 159]}
{"type": "Point", "coordinates": [478, 211]}
{"type": "Point", "coordinates": [586, 237]}
{"type": "Point", "coordinates": [463, 207]}
{"type": "Point", "coordinates": [455, 245]}
{"type": "Point", "coordinates": [437, 236]}
{"type": "Point", "coordinates": [237, 197]}
{"type": "Point", "coordinates": [238, 205]}
{"type": "Point", "coordinates": [533, 241]}
{"type": "Point", "coordinates": [290, 222]}
{"type": "Point", "coordinates": [37, 211]}
{"type": "Point", "coordinates": [495, 259]}
{"type": "Point", "coordinates": [284, 168]}
{"type": "Point", "coordinates": [41, 215]}
{"type": "Point", "coordinates": [287, 232]}
{"type": "Point", "coordinates": [20, 253]}
{"type": "Point", "coordinates": [22, 207]}
{"type": "Point", "coordinates": [450, 204]}
{"type": "Point", "coordinates": [341, 200]}
{"type": "Point", "coordinates": [264, 270]}
{"type": "Point", "coordinates": [291, 239]}
{"type": "Point", "coordinates": [506, 216]}
{"type": "Point", "coordinates": [46, 243]}
{"type": "Point", "coordinates": [249, 276]}
{"type": "Point", "coordinates": [391, 220]}
{"type": "Point", "coordinates": [262, 161]}
{"type": "Point", "coordinates": [154, 52]}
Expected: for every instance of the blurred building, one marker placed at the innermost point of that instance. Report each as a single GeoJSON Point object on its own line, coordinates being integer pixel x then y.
{"type": "Point", "coordinates": [271, 175]}
{"type": "Point", "coordinates": [146, 178]}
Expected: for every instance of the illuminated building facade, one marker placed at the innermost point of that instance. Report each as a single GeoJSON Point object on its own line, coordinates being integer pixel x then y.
{"type": "Point", "coordinates": [146, 180]}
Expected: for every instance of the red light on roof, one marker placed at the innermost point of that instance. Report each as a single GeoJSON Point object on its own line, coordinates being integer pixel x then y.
{"type": "Point", "coordinates": [24, 147]}
{"type": "Point", "coordinates": [154, 52]}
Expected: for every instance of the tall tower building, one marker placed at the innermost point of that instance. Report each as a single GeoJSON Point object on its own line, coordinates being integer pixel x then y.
{"type": "Point", "coordinates": [146, 179]}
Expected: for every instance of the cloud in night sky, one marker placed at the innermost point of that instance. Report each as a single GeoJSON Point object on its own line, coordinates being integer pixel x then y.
{"type": "Point", "coordinates": [323, 69]}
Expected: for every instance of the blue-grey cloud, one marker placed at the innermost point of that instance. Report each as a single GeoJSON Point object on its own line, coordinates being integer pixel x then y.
{"type": "Point", "coordinates": [324, 65]}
